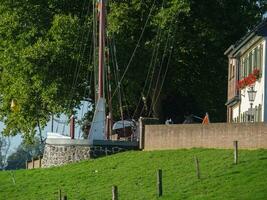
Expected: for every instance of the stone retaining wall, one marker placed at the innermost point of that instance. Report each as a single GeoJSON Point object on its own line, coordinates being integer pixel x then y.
{"type": "Point", "coordinates": [58, 152]}
{"type": "Point", "coordinates": [56, 155]}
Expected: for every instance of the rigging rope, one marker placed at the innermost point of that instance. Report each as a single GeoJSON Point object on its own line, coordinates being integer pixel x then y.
{"type": "Point", "coordinates": [116, 73]}
{"type": "Point", "coordinates": [166, 71]}
{"type": "Point", "coordinates": [147, 77]}
{"type": "Point", "coordinates": [163, 80]}
{"type": "Point", "coordinates": [77, 38]}
{"type": "Point", "coordinates": [79, 62]}
{"type": "Point", "coordinates": [76, 41]}
{"type": "Point", "coordinates": [157, 43]}
{"type": "Point", "coordinates": [159, 73]}
{"type": "Point", "coordinates": [81, 52]}
{"type": "Point", "coordinates": [136, 47]}
{"type": "Point", "coordinates": [153, 62]}
{"type": "Point", "coordinates": [126, 103]}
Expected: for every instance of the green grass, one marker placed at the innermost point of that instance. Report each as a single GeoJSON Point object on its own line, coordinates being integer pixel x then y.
{"type": "Point", "coordinates": [135, 175]}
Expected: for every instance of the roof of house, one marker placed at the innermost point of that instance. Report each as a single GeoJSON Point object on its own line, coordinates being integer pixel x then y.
{"type": "Point", "coordinates": [258, 30]}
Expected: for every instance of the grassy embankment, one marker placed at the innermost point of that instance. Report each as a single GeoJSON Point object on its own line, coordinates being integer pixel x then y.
{"type": "Point", "coordinates": [135, 175]}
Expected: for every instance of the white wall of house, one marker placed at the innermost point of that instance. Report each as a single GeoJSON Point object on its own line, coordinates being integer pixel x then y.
{"type": "Point", "coordinates": [259, 87]}
{"type": "Point", "coordinates": [264, 74]}
{"type": "Point", "coordinates": [245, 103]}
{"type": "Point", "coordinates": [235, 111]}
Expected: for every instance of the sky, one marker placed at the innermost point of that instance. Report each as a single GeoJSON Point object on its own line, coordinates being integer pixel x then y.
{"type": "Point", "coordinates": [61, 126]}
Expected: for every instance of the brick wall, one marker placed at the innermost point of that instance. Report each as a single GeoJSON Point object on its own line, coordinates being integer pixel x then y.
{"type": "Point", "coordinates": [221, 135]}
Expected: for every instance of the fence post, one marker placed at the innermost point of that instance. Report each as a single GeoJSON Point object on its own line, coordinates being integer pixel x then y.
{"type": "Point", "coordinates": [72, 127]}
{"type": "Point", "coordinates": [32, 162]}
{"type": "Point", "coordinates": [236, 152]}
{"type": "Point", "coordinates": [40, 161]}
{"type": "Point", "coordinates": [159, 182]}
{"type": "Point", "coordinates": [197, 167]}
{"type": "Point", "coordinates": [26, 164]}
{"type": "Point", "coordinates": [106, 151]}
{"type": "Point", "coordinates": [141, 133]}
{"type": "Point", "coordinates": [115, 193]}
{"type": "Point", "coordinates": [59, 194]}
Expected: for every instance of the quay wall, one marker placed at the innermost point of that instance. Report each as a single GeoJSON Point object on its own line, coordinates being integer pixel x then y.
{"type": "Point", "coordinates": [214, 135]}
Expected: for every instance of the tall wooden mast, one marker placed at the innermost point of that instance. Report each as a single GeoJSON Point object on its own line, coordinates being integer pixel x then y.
{"type": "Point", "coordinates": [97, 130]}
{"type": "Point", "coordinates": [101, 47]}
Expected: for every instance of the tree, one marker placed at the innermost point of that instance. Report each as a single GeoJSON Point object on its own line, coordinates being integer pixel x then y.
{"type": "Point", "coordinates": [170, 56]}
{"type": "Point", "coordinates": [43, 61]}
{"type": "Point", "coordinates": [24, 152]}
{"type": "Point", "coordinates": [4, 150]}
{"type": "Point", "coordinates": [198, 33]}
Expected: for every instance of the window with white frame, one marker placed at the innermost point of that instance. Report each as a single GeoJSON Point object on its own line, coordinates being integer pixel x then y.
{"type": "Point", "coordinates": [251, 60]}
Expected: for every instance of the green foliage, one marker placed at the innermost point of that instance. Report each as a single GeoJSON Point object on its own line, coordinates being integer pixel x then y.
{"type": "Point", "coordinates": [196, 34]}
{"type": "Point", "coordinates": [40, 55]}
{"type": "Point", "coordinates": [24, 152]}
{"type": "Point", "coordinates": [45, 46]}
{"type": "Point", "coordinates": [135, 175]}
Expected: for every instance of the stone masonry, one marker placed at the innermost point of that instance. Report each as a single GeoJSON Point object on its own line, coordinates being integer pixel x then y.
{"type": "Point", "coordinates": [58, 152]}
{"type": "Point", "coordinates": [56, 155]}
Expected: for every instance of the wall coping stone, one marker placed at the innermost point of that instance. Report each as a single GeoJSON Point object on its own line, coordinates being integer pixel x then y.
{"type": "Point", "coordinates": [67, 142]}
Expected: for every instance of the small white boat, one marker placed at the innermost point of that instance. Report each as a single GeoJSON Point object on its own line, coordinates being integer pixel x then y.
{"type": "Point", "coordinates": [124, 128]}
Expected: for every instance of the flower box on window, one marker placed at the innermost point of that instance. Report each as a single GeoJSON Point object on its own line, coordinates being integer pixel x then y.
{"type": "Point", "coordinates": [249, 80]}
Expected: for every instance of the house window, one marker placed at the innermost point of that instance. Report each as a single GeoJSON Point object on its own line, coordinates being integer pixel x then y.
{"type": "Point", "coordinates": [230, 72]}
{"type": "Point", "coordinates": [254, 65]}
{"type": "Point", "coordinates": [250, 61]}
{"type": "Point", "coordinates": [246, 67]}
{"type": "Point", "coordinates": [256, 58]}
{"type": "Point", "coordinates": [260, 57]}
{"type": "Point", "coordinates": [233, 73]}
{"type": "Point", "coordinates": [242, 70]}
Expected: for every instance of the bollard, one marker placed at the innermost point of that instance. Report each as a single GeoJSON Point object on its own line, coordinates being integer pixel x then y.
{"type": "Point", "coordinates": [236, 152]}
{"type": "Point", "coordinates": [197, 167]}
{"type": "Point", "coordinates": [159, 182]}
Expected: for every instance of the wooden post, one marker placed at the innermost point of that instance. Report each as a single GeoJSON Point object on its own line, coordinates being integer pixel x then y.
{"type": "Point", "coordinates": [115, 193]}
{"type": "Point", "coordinates": [159, 182]}
{"type": "Point", "coordinates": [52, 123]}
{"type": "Point", "coordinates": [59, 194]}
{"type": "Point", "coordinates": [197, 167]}
{"type": "Point", "coordinates": [32, 162]}
{"type": "Point", "coordinates": [141, 133]}
{"type": "Point", "coordinates": [72, 127]}
{"type": "Point", "coordinates": [26, 164]}
{"type": "Point", "coordinates": [236, 152]}
{"type": "Point", "coordinates": [40, 161]}
{"type": "Point", "coordinates": [106, 151]}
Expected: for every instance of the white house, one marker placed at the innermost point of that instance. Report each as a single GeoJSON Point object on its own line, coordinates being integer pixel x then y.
{"type": "Point", "coordinates": [247, 74]}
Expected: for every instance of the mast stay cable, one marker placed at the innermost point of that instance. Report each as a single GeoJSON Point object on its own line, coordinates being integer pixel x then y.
{"type": "Point", "coordinates": [136, 47]}
{"type": "Point", "coordinates": [159, 73]}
